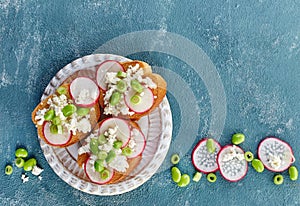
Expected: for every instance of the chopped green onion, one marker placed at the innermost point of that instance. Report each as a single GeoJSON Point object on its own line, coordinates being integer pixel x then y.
{"type": "Point", "coordinates": [49, 115]}
{"type": "Point", "coordinates": [135, 99]}
{"type": "Point", "coordinates": [121, 74]}
{"type": "Point", "coordinates": [121, 86]}
{"type": "Point", "coordinates": [61, 90]}
{"type": "Point", "coordinates": [136, 85]}
{"type": "Point", "coordinates": [115, 98]}
{"type": "Point", "coordinates": [68, 110]}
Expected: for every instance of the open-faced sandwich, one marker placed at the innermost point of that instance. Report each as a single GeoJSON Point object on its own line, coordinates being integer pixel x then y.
{"type": "Point", "coordinates": [68, 115]}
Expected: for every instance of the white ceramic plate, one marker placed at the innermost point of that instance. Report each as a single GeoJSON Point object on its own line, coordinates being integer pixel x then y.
{"type": "Point", "coordinates": [157, 128]}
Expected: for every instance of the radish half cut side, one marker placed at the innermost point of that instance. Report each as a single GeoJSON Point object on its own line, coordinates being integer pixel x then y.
{"type": "Point", "coordinates": [106, 66]}
{"type": "Point", "coordinates": [56, 139]}
{"type": "Point", "coordinates": [204, 161]}
{"type": "Point", "coordinates": [84, 91]}
{"type": "Point", "coordinates": [93, 175]}
{"type": "Point", "coordinates": [232, 164]}
{"type": "Point", "coordinates": [275, 154]}
{"type": "Point", "coordinates": [140, 143]}
{"type": "Point", "coordinates": [147, 100]}
{"type": "Point", "coordinates": [123, 131]}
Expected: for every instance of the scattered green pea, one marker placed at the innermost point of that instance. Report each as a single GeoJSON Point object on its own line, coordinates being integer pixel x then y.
{"type": "Point", "coordinates": [53, 129]}
{"type": "Point", "coordinates": [121, 86]}
{"type": "Point", "coordinates": [175, 159]}
{"type": "Point", "coordinates": [104, 174]}
{"type": "Point", "coordinates": [21, 152]}
{"type": "Point", "coordinates": [29, 164]}
{"type": "Point", "coordinates": [117, 144]}
{"type": "Point", "coordinates": [210, 145]}
{"type": "Point", "coordinates": [184, 180]}
{"type": "Point", "coordinates": [126, 151]}
{"type": "Point", "coordinates": [61, 90]}
{"type": "Point", "coordinates": [19, 162]}
{"type": "Point", "coordinates": [136, 86]}
{"type": "Point", "coordinates": [110, 156]}
{"type": "Point", "coordinates": [102, 139]}
{"type": "Point", "coordinates": [9, 170]}
{"type": "Point", "coordinates": [258, 165]}
{"type": "Point", "coordinates": [115, 98]}
{"type": "Point", "coordinates": [211, 177]}
{"type": "Point", "coordinates": [249, 156]}
{"type": "Point", "coordinates": [98, 165]}
{"type": "Point", "coordinates": [49, 115]}
{"type": "Point", "coordinates": [197, 176]}
{"type": "Point", "coordinates": [176, 174]}
{"type": "Point", "coordinates": [56, 120]}
{"type": "Point", "coordinates": [121, 74]}
{"type": "Point", "coordinates": [68, 110]}
{"type": "Point", "coordinates": [238, 138]}
{"type": "Point", "coordinates": [278, 179]}
{"type": "Point", "coordinates": [293, 172]}
{"type": "Point", "coordinates": [102, 155]}
{"type": "Point", "coordinates": [94, 146]}
{"type": "Point", "coordinates": [82, 111]}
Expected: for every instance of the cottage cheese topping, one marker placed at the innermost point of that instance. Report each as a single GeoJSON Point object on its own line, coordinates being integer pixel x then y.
{"type": "Point", "coordinates": [132, 73]}
{"type": "Point", "coordinates": [84, 97]}
{"type": "Point", "coordinates": [233, 154]}
{"type": "Point", "coordinates": [275, 161]}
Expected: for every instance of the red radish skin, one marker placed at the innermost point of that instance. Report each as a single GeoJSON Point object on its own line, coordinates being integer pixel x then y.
{"type": "Point", "coordinates": [221, 172]}
{"type": "Point", "coordinates": [266, 164]}
{"type": "Point", "coordinates": [48, 136]}
{"type": "Point", "coordinates": [104, 67]}
{"type": "Point", "coordinates": [122, 134]}
{"type": "Point", "coordinates": [74, 93]}
{"type": "Point", "coordinates": [193, 155]}
{"type": "Point", "coordinates": [95, 176]}
{"type": "Point", "coordinates": [145, 104]}
{"type": "Point", "coordinates": [140, 141]}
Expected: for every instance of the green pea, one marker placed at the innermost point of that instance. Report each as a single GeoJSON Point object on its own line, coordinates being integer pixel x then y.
{"type": "Point", "coordinates": [238, 138]}
{"type": "Point", "coordinates": [175, 159]}
{"type": "Point", "coordinates": [68, 110]}
{"type": "Point", "coordinates": [94, 146]}
{"type": "Point", "coordinates": [210, 145]}
{"type": "Point", "coordinates": [102, 139]}
{"type": "Point", "coordinates": [211, 177]}
{"type": "Point", "coordinates": [49, 115]}
{"type": "Point", "coordinates": [176, 174]}
{"type": "Point", "coordinates": [278, 179]}
{"type": "Point", "coordinates": [121, 74]}
{"type": "Point", "coordinates": [110, 156]}
{"type": "Point", "coordinates": [126, 151]}
{"type": "Point", "coordinates": [56, 120]}
{"type": "Point", "coordinates": [293, 172]}
{"type": "Point", "coordinates": [98, 165]}
{"type": "Point", "coordinates": [104, 174]}
{"type": "Point", "coordinates": [136, 86]}
{"type": "Point", "coordinates": [115, 98]}
{"type": "Point", "coordinates": [19, 162]}
{"type": "Point", "coordinates": [82, 111]}
{"type": "Point", "coordinates": [29, 164]}
{"type": "Point", "coordinates": [21, 152]}
{"type": "Point", "coordinates": [121, 86]}
{"type": "Point", "coordinates": [258, 165]}
{"type": "Point", "coordinates": [135, 99]}
{"type": "Point", "coordinates": [61, 90]}
{"type": "Point", "coordinates": [184, 180]}
{"type": "Point", "coordinates": [9, 170]}
{"type": "Point", "coordinates": [102, 155]}
{"type": "Point", "coordinates": [117, 144]}
{"type": "Point", "coordinates": [197, 176]}
{"type": "Point", "coordinates": [248, 156]}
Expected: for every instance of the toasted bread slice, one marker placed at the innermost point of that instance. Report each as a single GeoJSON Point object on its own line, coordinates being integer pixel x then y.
{"type": "Point", "coordinates": [159, 93]}
{"type": "Point", "coordinates": [94, 117]}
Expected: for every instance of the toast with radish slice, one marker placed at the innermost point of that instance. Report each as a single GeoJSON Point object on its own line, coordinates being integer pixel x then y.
{"type": "Point", "coordinates": [112, 151]}
{"type": "Point", "coordinates": [60, 121]}
{"type": "Point", "coordinates": [129, 89]}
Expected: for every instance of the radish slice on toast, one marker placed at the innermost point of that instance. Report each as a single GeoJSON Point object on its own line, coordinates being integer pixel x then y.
{"type": "Point", "coordinates": [275, 154]}
{"type": "Point", "coordinates": [232, 164]}
{"type": "Point", "coordinates": [56, 139]}
{"type": "Point", "coordinates": [93, 175]}
{"type": "Point", "coordinates": [107, 66]}
{"type": "Point", "coordinates": [84, 91]}
{"type": "Point", "coordinates": [140, 142]}
{"type": "Point", "coordinates": [146, 100]}
{"type": "Point", "coordinates": [203, 160]}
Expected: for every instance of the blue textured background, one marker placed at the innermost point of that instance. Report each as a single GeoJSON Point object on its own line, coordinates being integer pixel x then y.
{"type": "Point", "coordinates": [255, 46]}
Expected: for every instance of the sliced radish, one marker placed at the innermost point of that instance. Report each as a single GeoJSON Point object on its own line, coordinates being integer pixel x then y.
{"type": "Point", "coordinates": [107, 66]}
{"type": "Point", "coordinates": [275, 154]}
{"type": "Point", "coordinates": [147, 100]}
{"type": "Point", "coordinates": [93, 175]}
{"type": "Point", "coordinates": [203, 160]}
{"type": "Point", "coordinates": [123, 131]}
{"type": "Point", "coordinates": [140, 142]}
{"type": "Point", "coordinates": [84, 91]}
{"type": "Point", "coordinates": [232, 164]}
{"type": "Point", "coordinates": [56, 139]}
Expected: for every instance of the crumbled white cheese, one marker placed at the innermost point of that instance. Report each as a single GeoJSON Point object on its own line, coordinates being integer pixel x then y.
{"type": "Point", "coordinates": [84, 125]}
{"type": "Point", "coordinates": [24, 178]}
{"type": "Point", "coordinates": [233, 154]}
{"type": "Point", "coordinates": [275, 161]}
{"type": "Point", "coordinates": [36, 170]}
{"type": "Point", "coordinates": [84, 97]}
{"type": "Point", "coordinates": [40, 177]}
{"type": "Point", "coordinates": [119, 163]}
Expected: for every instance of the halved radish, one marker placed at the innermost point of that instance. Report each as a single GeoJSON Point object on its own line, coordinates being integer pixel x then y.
{"type": "Point", "coordinates": [93, 175]}
{"type": "Point", "coordinates": [84, 91]}
{"type": "Point", "coordinates": [146, 101]}
{"type": "Point", "coordinates": [275, 154]}
{"type": "Point", "coordinates": [56, 139]}
{"type": "Point", "coordinates": [203, 160]}
{"type": "Point", "coordinates": [140, 142]}
{"type": "Point", "coordinates": [232, 164]}
{"type": "Point", "coordinates": [107, 66]}
{"type": "Point", "coordinates": [123, 131]}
